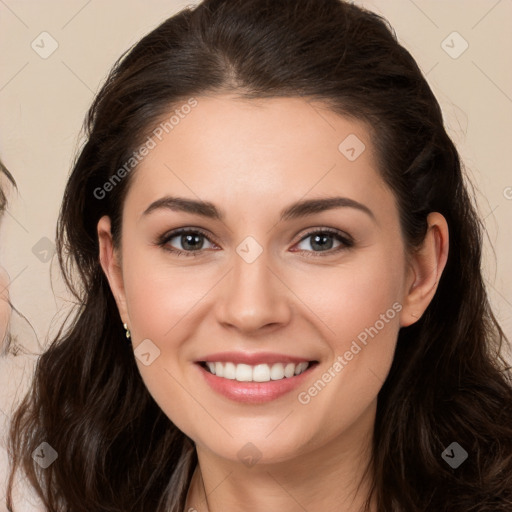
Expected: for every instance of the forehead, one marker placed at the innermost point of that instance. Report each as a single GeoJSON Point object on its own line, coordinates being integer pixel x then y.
{"type": "Point", "coordinates": [259, 152]}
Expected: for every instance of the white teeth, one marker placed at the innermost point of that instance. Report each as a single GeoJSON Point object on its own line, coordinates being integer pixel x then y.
{"type": "Point", "coordinates": [257, 373]}
{"type": "Point", "coordinates": [229, 371]}
{"type": "Point", "coordinates": [289, 370]}
{"type": "Point", "coordinates": [243, 372]}
{"type": "Point", "coordinates": [277, 371]}
{"type": "Point", "coordinates": [300, 368]}
{"type": "Point", "coordinates": [261, 373]}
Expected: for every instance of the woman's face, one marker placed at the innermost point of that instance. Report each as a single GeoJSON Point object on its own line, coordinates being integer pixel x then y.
{"type": "Point", "coordinates": [277, 275]}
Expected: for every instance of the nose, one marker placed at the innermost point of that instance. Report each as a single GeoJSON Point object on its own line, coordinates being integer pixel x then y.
{"type": "Point", "coordinates": [253, 297]}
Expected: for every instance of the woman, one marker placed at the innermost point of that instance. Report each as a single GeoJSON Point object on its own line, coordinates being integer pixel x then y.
{"type": "Point", "coordinates": [278, 269]}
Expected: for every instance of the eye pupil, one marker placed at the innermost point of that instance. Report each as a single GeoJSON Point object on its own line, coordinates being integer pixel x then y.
{"type": "Point", "coordinates": [187, 241]}
{"type": "Point", "coordinates": [321, 244]}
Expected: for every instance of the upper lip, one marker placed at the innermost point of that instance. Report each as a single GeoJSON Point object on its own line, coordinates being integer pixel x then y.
{"type": "Point", "coordinates": [252, 358]}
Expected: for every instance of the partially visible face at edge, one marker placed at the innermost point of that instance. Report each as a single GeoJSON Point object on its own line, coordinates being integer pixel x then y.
{"type": "Point", "coordinates": [5, 307]}
{"type": "Point", "coordinates": [303, 296]}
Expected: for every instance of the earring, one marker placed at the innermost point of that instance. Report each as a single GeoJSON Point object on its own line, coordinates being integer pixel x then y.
{"type": "Point", "coordinates": [128, 333]}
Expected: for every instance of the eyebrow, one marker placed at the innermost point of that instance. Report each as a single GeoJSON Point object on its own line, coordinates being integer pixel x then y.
{"type": "Point", "coordinates": [296, 210]}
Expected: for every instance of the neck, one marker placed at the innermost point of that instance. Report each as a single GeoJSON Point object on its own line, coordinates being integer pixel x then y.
{"type": "Point", "coordinates": [330, 477]}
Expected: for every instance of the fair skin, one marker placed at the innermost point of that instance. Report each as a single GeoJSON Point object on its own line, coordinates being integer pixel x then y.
{"type": "Point", "coordinates": [252, 159]}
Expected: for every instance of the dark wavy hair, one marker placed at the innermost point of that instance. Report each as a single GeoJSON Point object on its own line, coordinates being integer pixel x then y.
{"type": "Point", "coordinates": [117, 451]}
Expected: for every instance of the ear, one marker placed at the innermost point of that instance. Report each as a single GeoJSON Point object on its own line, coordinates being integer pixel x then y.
{"type": "Point", "coordinates": [425, 268]}
{"type": "Point", "coordinates": [110, 262]}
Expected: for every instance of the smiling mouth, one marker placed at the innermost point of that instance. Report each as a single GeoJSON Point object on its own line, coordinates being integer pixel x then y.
{"type": "Point", "coordinates": [258, 372]}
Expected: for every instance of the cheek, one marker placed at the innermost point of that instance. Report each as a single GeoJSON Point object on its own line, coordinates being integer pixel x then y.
{"type": "Point", "coordinates": [362, 310]}
{"type": "Point", "coordinates": [162, 303]}
{"type": "Point", "coordinates": [159, 295]}
{"type": "Point", "coordinates": [369, 317]}
{"type": "Point", "coordinates": [352, 297]}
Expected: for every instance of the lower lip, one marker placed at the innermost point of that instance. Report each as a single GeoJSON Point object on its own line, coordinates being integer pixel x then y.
{"type": "Point", "coordinates": [254, 392]}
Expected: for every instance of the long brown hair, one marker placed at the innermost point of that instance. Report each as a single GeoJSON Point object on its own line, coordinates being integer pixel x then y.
{"type": "Point", "coordinates": [117, 451]}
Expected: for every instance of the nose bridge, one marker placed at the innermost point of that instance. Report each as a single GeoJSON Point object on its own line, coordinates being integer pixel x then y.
{"type": "Point", "coordinates": [252, 296]}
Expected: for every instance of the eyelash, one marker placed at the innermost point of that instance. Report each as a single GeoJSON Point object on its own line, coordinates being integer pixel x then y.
{"type": "Point", "coordinates": [346, 242]}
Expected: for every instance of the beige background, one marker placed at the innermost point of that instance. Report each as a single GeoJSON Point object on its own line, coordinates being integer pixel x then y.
{"type": "Point", "coordinates": [43, 102]}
